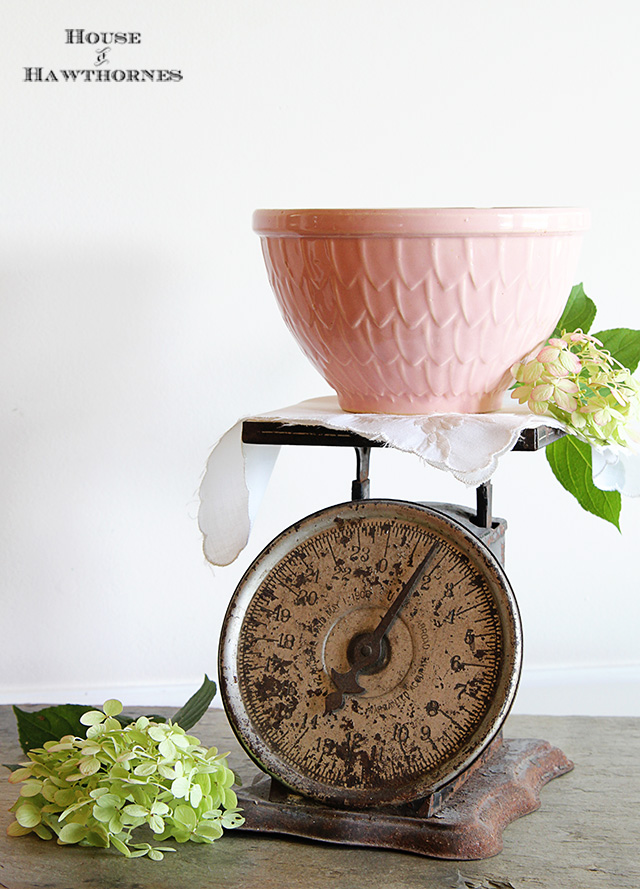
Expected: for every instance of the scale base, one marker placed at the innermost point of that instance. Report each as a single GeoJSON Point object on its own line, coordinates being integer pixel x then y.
{"type": "Point", "coordinates": [466, 827]}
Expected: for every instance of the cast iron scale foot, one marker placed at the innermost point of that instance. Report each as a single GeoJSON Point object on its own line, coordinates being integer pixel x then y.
{"type": "Point", "coordinates": [368, 660]}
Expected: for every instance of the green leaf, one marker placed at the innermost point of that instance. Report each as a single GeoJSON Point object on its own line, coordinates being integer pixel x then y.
{"type": "Point", "coordinates": [230, 799]}
{"type": "Point", "coordinates": [112, 707]}
{"type": "Point", "coordinates": [19, 773]}
{"type": "Point", "coordinates": [204, 782]}
{"type": "Point", "coordinates": [31, 788]}
{"type": "Point", "coordinates": [185, 817]}
{"type": "Point", "coordinates": [129, 720]}
{"type": "Point", "coordinates": [145, 769]}
{"type": "Point", "coordinates": [52, 723]}
{"type": "Point", "coordinates": [209, 832]}
{"type": "Point", "coordinates": [73, 808]}
{"type": "Point", "coordinates": [92, 717]}
{"type": "Point", "coordinates": [64, 798]}
{"type": "Point", "coordinates": [49, 724]}
{"type": "Point", "coordinates": [106, 799]}
{"type": "Point", "coordinates": [98, 837]}
{"type": "Point", "coordinates": [156, 823]}
{"type": "Point", "coordinates": [180, 787]}
{"type": "Point", "coordinates": [159, 808]}
{"type": "Point", "coordinates": [153, 717]}
{"type": "Point", "coordinates": [120, 846]}
{"type": "Point", "coordinates": [89, 766]}
{"type": "Point", "coordinates": [579, 312]}
{"type": "Point", "coordinates": [232, 819]}
{"type": "Point", "coordinates": [624, 345]}
{"type": "Point", "coordinates": [15, 829]}
{"type": "Point", "coordinates": [196, 706]}
{"type": "Point", "coordinates": [72, 833]}
{"type": "Point", "coordinates": [570, 461]}
{"type": "Point", "coordinates": [28, 815]}
{"type": "Point", "coordinates": [102, 814]}
{"type": "Point", "coordinates": [135, 811]}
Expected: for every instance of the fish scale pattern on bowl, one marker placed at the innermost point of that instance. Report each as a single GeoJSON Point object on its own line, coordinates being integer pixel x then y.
{"type": "Point", "coordinates": [412, 325]}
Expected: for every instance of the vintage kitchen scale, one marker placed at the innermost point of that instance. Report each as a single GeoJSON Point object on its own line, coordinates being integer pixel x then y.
{"type": "Point", "coordinates": [371, 653]}
{"type": "Point", "coordinates": [368, 660]}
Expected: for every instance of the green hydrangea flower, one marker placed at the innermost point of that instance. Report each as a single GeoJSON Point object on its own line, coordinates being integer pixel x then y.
{"type": "Point", "coordinates": [97, 790]}
{"type": "Point", "coordinates": [575, 380]}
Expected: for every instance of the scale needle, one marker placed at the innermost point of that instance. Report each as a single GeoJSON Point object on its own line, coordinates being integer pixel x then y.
{"type": "Point", "coordinates": [369, 651]}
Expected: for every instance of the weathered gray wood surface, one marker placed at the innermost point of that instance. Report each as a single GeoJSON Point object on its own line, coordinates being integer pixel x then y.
{"type": "Point", "coordinates": [586, 835]}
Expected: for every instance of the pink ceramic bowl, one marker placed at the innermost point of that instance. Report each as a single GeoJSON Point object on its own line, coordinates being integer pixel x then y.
{"type": "Point", "coordinates": [420, 311]}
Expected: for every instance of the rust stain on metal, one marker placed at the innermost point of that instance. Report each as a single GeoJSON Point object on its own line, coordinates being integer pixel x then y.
{"type": "Point", "coordinates": [468, 825]}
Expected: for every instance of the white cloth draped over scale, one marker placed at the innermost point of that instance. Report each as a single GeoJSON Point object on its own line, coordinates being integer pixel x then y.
{"type": "Point", "coordinates": [466, 445]}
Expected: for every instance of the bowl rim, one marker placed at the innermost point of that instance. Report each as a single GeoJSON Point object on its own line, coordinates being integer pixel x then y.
{"type": "Point", "coordinates": [421, 222]}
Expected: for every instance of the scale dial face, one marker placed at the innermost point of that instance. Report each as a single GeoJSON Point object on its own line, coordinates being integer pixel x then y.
{"type": "Point", "coordinates": [370, 653]}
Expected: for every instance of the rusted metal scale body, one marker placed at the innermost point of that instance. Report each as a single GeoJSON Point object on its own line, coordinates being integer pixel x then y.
{"type": "Point", "coordinates": [435, 698]}
{"type": "Point", "coordinates": [368, 660]}
{"type": "Point", "coordinates": [466, 824]}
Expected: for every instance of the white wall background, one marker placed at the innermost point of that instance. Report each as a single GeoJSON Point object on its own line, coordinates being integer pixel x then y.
{"type": "Point", "coordinates": [137, 323]}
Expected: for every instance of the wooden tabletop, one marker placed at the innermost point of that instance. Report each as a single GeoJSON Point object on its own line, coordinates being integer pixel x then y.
{"type": "Point", "coordinates": [585, 834]}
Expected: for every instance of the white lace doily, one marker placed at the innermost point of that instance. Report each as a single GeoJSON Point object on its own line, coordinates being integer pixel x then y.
{"type": "Point", "coordinates": [466, 445]}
